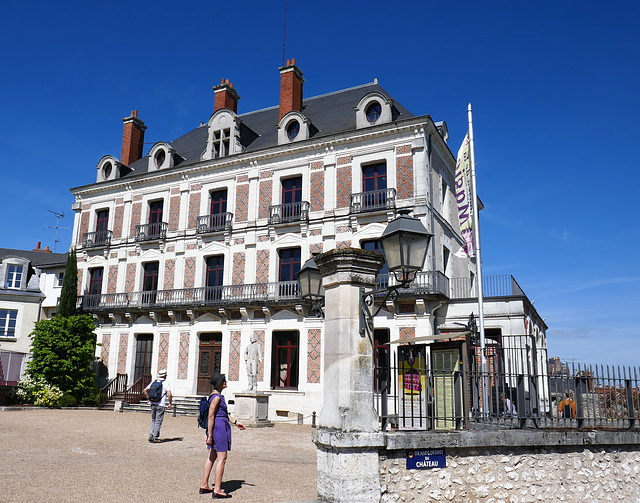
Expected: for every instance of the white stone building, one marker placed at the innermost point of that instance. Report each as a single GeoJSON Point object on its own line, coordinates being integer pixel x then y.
{"type": "Point", "coordinates": [186, 252]}
{"type": "Point", "coordinates": [30, 286]}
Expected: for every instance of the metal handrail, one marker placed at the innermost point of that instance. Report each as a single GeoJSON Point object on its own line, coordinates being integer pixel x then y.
{"type": "Point", "coordinates": [214, 223]}
{"type": "Point", "coordinates": [425, 282]}
{"type": "Point", "coordinates": [116, 385]}
{"type": "Point", "coordinates": [290, 212]}
{"type": "Point", "coordinates": [280, 291]}
{"type": "Point", "coordinates": [133, 393]}
{"type": "Point", "coordinates": [374, 200]}
{"type": "Point", "coordinates": [493, 286]}
{"type": "Point", "coordinates": [150, 232]}
{"type": "Point", "coordinates": [98, 238]}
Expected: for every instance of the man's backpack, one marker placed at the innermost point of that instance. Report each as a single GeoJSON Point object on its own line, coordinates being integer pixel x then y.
{"type": "Point", "coordinates": [566, 410]}
{"type": "Point", "coordinates": [203, 412]}
{"type": "Point", "coordinates": [155, 391]}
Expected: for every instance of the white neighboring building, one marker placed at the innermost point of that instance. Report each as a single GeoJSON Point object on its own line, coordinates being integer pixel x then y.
{"type": "Point", "coordinates": [30, 285]}
{"type": "Point", "coordinates": [187, 252]}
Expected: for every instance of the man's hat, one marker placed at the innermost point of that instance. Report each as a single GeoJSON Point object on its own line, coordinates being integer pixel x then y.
{"type": "Point", "coordinates": [162, 373]}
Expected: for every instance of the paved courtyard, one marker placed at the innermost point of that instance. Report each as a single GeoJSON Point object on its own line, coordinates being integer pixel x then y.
{"type": "Point", "coordinates": [103, 456]}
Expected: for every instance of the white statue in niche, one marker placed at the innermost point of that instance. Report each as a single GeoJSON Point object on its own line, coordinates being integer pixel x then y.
{"type": "Point", "coordinates": [253, 355]}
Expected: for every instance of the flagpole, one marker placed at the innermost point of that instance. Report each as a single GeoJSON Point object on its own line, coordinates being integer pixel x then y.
{"type": "Point", "coordinates": [476, 238]}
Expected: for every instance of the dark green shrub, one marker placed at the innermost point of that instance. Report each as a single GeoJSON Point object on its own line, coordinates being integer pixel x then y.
{"type": "Point", "coordinates": [67, 401]}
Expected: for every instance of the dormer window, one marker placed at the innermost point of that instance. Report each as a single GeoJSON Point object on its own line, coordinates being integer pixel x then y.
{"type": "Point", "coordinates": [374, 111]}
{"type": "Point", "coordinates": [13, 273]}
{"type": "Point", "coordinates": [162, 156]}
{"type": "Point", "coordinates": [224, 135]}
{"type": "Point", "coordinates": [108, 169]}
{"type": "Point", "coordinates": [374, 108]}
{"type": "Point", "coordinates": [293, 129]}
{"type": "Point", "coordinates": [14, 276]}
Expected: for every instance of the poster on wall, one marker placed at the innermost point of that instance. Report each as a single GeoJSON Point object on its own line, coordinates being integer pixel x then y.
{"type": "Point", "coordinates": [413, 388]}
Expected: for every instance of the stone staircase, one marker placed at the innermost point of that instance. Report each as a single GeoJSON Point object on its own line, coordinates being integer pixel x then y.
{"type": "Point", "coordinates": [181, 406]}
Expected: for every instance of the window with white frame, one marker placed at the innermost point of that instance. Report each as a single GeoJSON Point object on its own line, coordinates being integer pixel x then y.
{"type": "Point", "coordinates": [8, 318]}
{"type": "Point", "coordinates": [221, 142]}
{"type": "Point", "coordinates": [14, 276]}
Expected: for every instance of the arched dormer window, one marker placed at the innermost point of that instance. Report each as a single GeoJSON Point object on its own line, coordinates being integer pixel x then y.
{"type": "Point", "coordinates": [108, 169]}
{"type": "Point", "coordinates": [224, 135]}
{"type": "Point", "coordinates": [293, 127]}
{"type": "Point", "coordinates": [374, 108]}
{"type": "Point", "coordinates": [161, 156]}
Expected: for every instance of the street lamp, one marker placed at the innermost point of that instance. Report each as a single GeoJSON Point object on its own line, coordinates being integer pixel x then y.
{"type": "Point", "coordinates": [311, 288]}
{"type": "Point", "coordinates": [405, 243]}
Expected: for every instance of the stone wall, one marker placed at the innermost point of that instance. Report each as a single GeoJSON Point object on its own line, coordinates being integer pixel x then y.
{"type": "Point", "coordinates": [577, 467]}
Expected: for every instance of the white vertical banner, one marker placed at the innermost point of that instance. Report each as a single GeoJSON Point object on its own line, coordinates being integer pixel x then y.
{"type": "Point", "coordinates": [464, 199]}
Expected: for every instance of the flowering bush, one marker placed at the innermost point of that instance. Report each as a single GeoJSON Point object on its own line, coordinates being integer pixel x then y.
{"type": "Point", "coordinates": [38, 391]}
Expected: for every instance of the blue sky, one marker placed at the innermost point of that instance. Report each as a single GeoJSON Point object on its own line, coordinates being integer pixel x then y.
{"type": "Point", "coordinates": [554, 88]}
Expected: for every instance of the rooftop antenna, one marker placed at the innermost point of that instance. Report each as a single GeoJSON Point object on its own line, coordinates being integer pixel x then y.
{"type": "Point", "coordinates": [57, 226]}
{"type": "Point", "coordinates": [284, 36]}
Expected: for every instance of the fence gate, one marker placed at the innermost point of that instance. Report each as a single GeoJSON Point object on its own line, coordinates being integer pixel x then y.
{"type": "Point", "coordinates": [447, 389]}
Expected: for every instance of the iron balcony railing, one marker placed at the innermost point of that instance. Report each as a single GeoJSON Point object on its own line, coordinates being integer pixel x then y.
{"type": "Point", "coordinates": [151, 232]}
{"type": "Point", "coordinates": [291, 212]}
{"type": "Point", "coordinates": [374, 200]}
{"type": "Point", "coordinates": [214, 223]}
{"type": "Point", "coordinates": [433, 393]}
{"type": "Point", "coordinates": [492, 286]}
{"type": "Point", "coordinates": [426, 282]}
{"type": "Point", "coordinates": [98, 238]}
{"type": "Point", "coordinates": [192, 297]}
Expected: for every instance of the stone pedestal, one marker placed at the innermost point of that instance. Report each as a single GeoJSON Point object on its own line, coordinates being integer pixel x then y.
{"type": "Point", "coordinates": [348, 439]}
{"type": "Point", "coordinates": [252, 409]}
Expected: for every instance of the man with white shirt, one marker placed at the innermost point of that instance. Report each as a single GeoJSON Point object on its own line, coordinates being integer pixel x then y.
{"type": "Point", "coordinates": [158, 406]}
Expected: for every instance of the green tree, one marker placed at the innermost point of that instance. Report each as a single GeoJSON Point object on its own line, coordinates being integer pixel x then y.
{"type": "Point", "coordinates": [69, 293]}
{"type": "Point", "coordinates": [63, 350]}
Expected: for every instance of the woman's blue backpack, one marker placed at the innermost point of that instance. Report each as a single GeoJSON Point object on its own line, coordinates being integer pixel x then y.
{"type": "Point", "coordinates": [203, 412]}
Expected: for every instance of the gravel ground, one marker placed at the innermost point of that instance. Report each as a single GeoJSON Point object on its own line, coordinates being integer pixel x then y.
{"type": "Point", "coordinates": [103, 456]}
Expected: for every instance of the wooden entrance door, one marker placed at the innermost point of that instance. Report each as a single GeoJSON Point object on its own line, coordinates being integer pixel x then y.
{"type": "Point", "coordinates": [209, 360]}
{"type": "Point", "coordinates": [144, 349]}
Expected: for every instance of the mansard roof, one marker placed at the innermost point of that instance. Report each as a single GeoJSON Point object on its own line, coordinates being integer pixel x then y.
{"type": "Point", "coordinates": [330, 114]}
{"type": "Point", "coordinates": [37, 258]}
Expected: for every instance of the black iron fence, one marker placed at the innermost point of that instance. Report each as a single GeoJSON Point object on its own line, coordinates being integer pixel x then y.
{"type": "Point", "coordinates": [415, 390]}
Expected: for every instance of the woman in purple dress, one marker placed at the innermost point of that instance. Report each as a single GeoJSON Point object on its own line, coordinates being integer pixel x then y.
{"type": "Point", "coordinates": [218, 437]}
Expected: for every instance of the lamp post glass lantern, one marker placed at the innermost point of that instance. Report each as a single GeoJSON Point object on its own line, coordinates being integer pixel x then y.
{"type": "Point", "coordinates": [311, 288]}
{"type": "Point", "coordinates": [405, 243]}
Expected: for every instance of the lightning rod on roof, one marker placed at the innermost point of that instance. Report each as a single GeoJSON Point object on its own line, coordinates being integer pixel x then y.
{"type": "Point", "coordinates": [284, 36]}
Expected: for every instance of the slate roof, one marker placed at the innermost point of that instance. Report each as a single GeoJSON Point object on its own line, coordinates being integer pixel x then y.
{"type": "Point", "coordinates": [329, 114]}
{"type": "Point", "coordinates": [37, 258]}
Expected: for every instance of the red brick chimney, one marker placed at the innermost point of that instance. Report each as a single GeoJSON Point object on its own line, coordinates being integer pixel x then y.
{"type": "Point", "coordinates": [132, 139]}
{"type": "Point", "coordinates": [225, 97]}
{"type": "Point", "coordinates": [38, 249]}
{"type": "Point", "coordinates": [290, 88]}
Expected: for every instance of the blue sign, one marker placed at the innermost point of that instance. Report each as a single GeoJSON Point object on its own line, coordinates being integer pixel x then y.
{"type": "Point", "coordinates": [426, 458]}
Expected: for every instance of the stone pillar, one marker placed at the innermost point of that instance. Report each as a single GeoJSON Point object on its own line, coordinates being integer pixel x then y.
{"type": "Point", "coordinates": [348, 437]}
